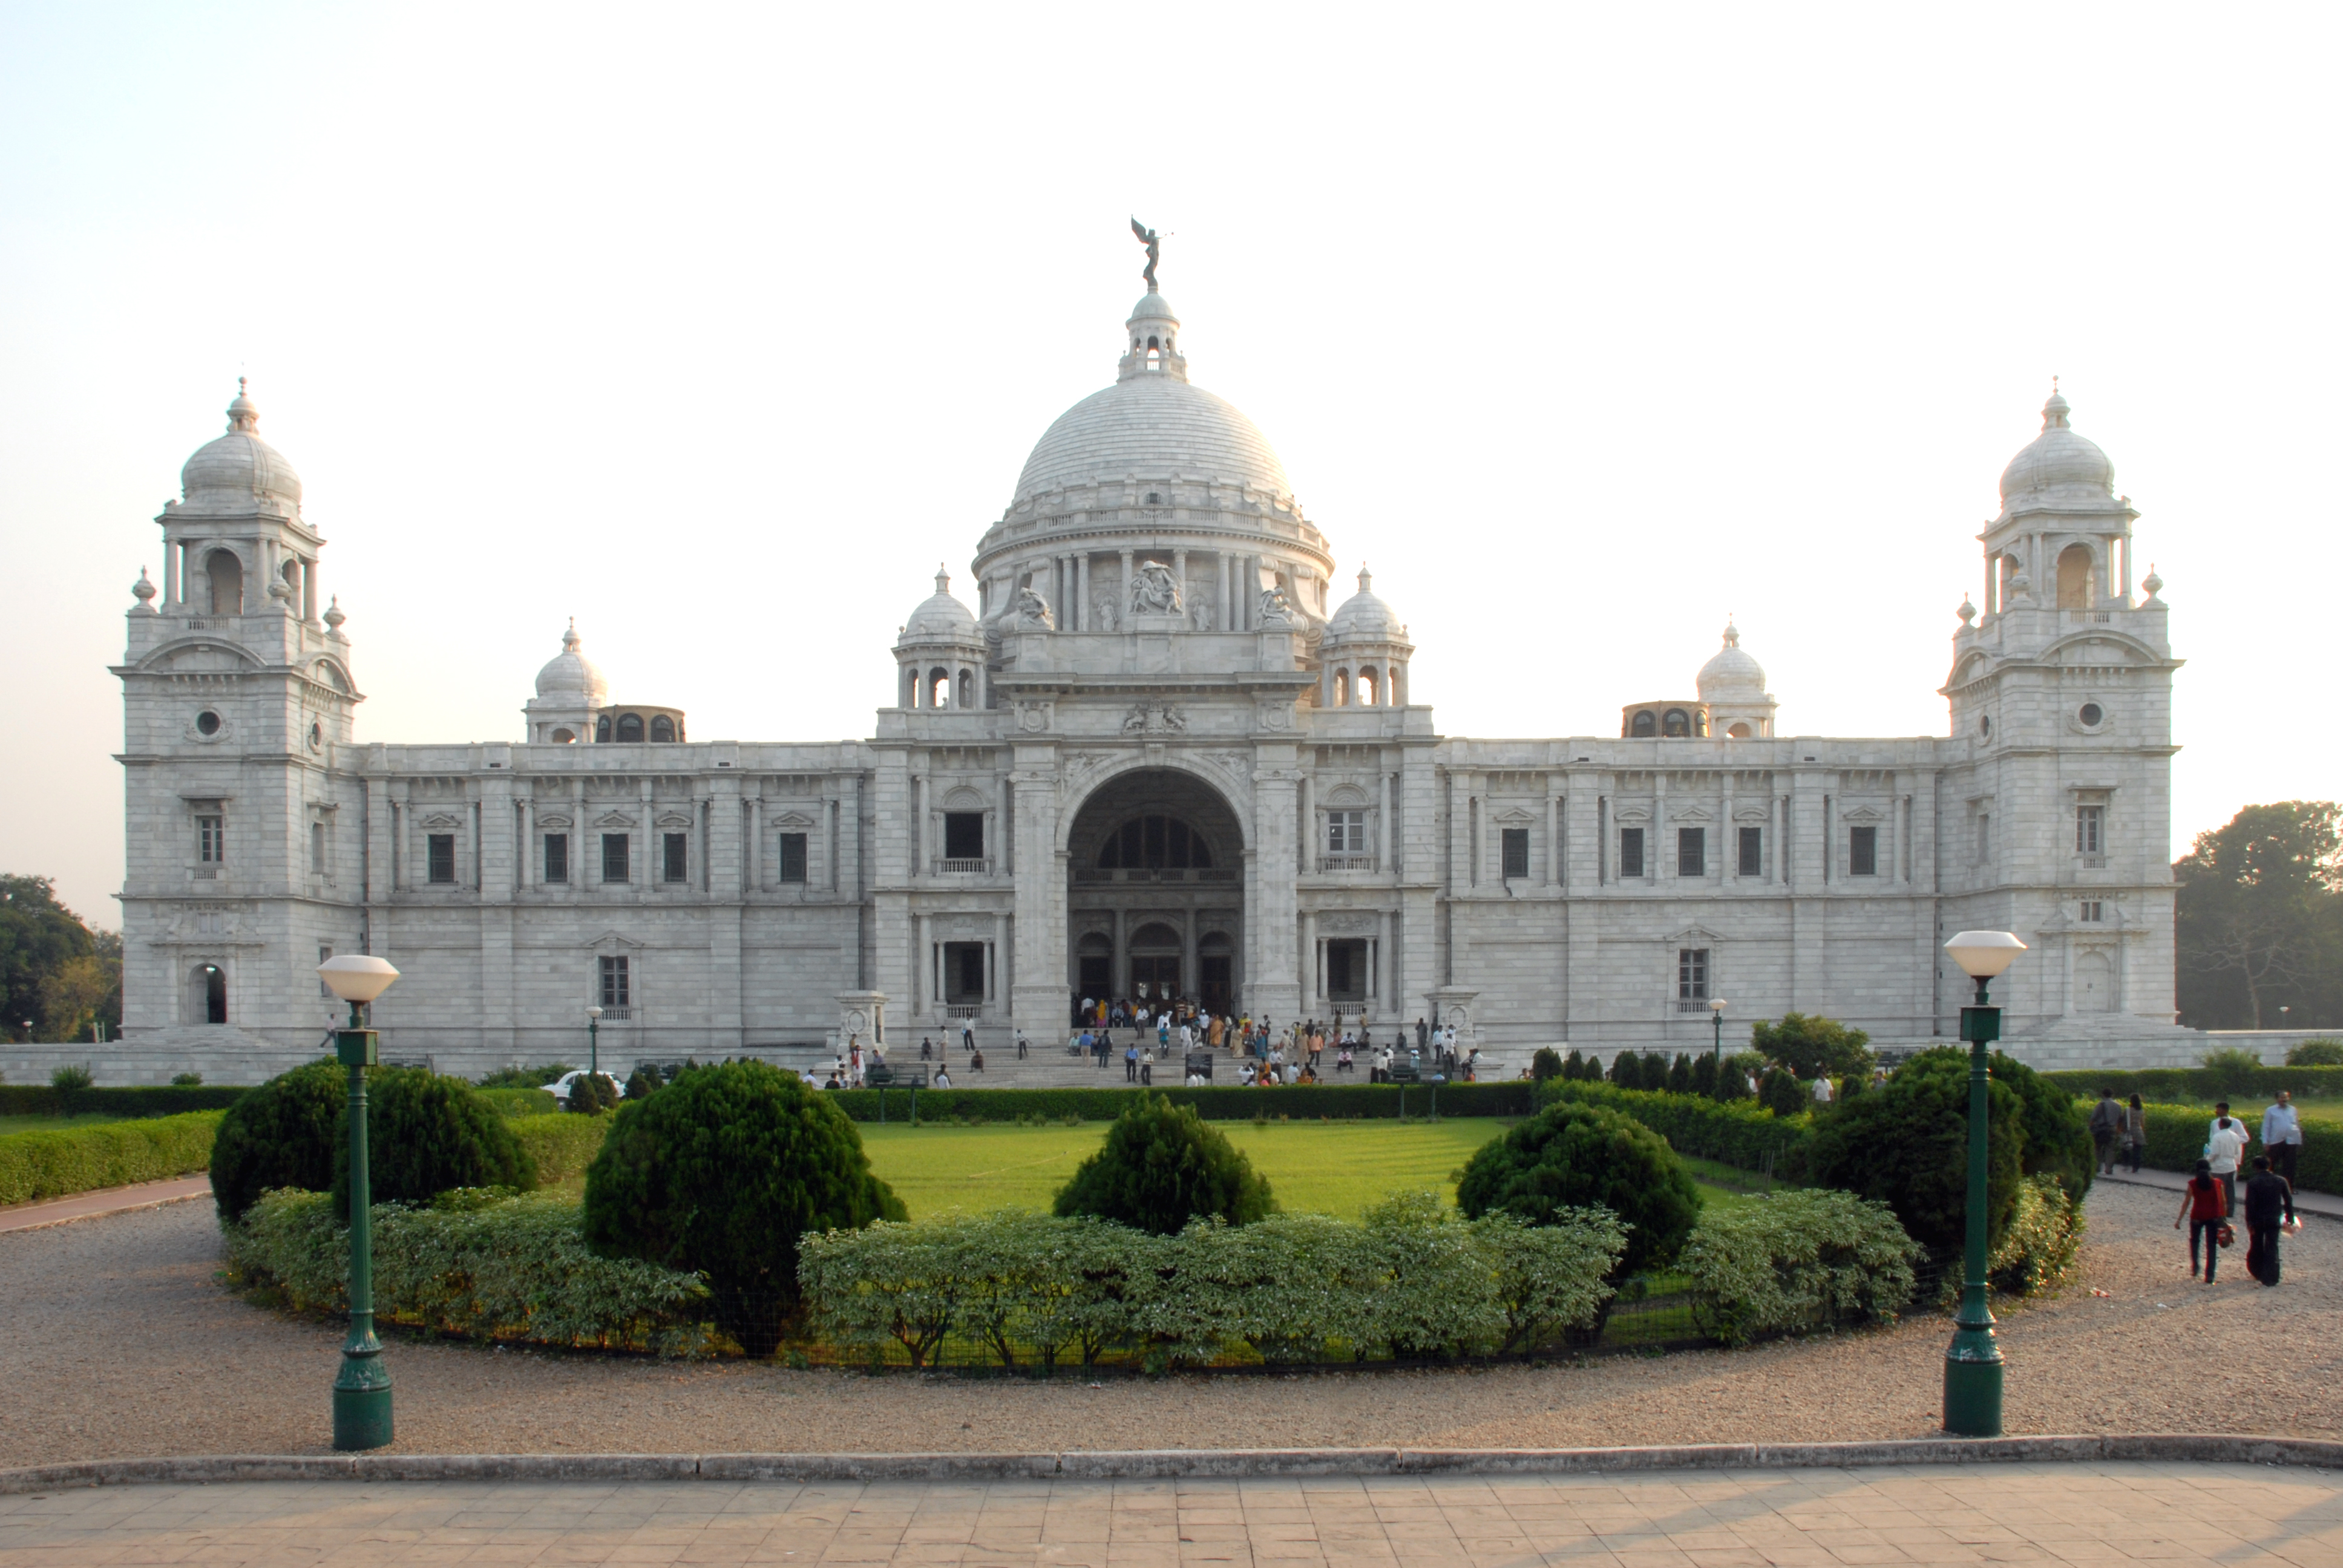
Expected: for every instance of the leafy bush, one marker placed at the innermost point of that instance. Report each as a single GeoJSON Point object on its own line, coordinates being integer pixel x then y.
{"type": "Point", "coordinates": [2316, 1053]}
{"type": "Point", "coordinates": [1732, 1082]}
{"type": "Point", "coordinates": [1162, 1167]}
{"type": "Point", "coordinates": [1808, 1047]}
{"type": "Point", "coordinates": [1655, 1071]}
{"type": "Point", "coordinates": [1703, 1075]}
{"type": "Point", "coordinates": [2168, 1085]}
{"type": "Point", "coordinates": [1739, 1133]}
{"type": "Point", "coordinates": [2057, 1130]}
{"type": "Point", "coordinates": [527, 1077]}
{"type": "Point", "coordinates": [593, 1093]}
{"type": "Point", "coordinates": [1627, 1070]}
{"type": "Point", "coordinates": [70, 1079]}
{"type": "Point", "coordinates": [427, 1134]}
{"type": "Point", "coordinates": [1574, 1066]}
{"type": "Point", "coordinates": [1572, 1156]}
{"type": "Point", "coordinates": [720, 1174]}
{"type": "Point", "coordinates": [1545, 1063]}
{"type": "Point", "coordinates": [521, 1101]}
{"type": "Point", "coordinates": [1906, 1144]}
{"type": "Point", "coordinates": [2232, 1068]}
{"type": "Point", "coordinates": [488, 1268]}
{"type": "Point", "coordinates": [281, 1134]}
{"type": "Point", "coordinates": [1799, 1259]}
{"type": "Point", "coordinates": [55, 1162]}
{"type": "Point", "coordinates": [1552, 1279]}
{"type": "Point", "coordinates": [186, 1081]}
{"type": "Point", "coordinates": [2046, 1232]}
{"type": "Point", "coordinates": [1782, 1093]}
{"type": "Point", "coordinates": [561, 1146]}
{"type": "Point", "coordinates": [643, 1081]}
{"type": "Point", "coordinates": [1680, 1074]}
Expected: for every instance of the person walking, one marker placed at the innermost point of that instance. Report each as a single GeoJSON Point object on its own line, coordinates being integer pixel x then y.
{"type": "Point", "coordinates": [2270, 1206]}
{"type": "Point", "coordinates": [2223, 1149]}
{"type": "Point", "coordinates": [2107, 1125]}
{"type": "Point", "coordinates": [2282, 1136]}
{"type": "Point", "coordinates": [1130, 1063]}
{"type": "Point", "coordinates": [1020, 1045]}
{"type": "Point", "coordinates": [2135, 1133]}
{"type": "Point", "coordinates": [2203, 1205]}
{"type": "Point", "coordinates": [1823, 1092]}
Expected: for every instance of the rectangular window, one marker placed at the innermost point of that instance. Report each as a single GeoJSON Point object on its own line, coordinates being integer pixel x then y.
{"type": "Point", "coordinates": [2094, 910]}
{"type": "Point", "coordinates": [1692, 851]}
{"type": "Point", "coordinates": [1631, 852]}
{"type": "Point", "coordinates": [963, 835]}
{"type": "Point", "coordinates": [793, 857]}
{"type": "Point", "coordinates": [1863, 851]}
{"type": "Point", "coordinates": [211, 840]}
{"type": "Point", "coordinates": [675, 858]}
{"type": "Point", "coordinates": [615, 989]}
{"type": "Point", "coordinates": [1752, 851]}
{"type": "Point", "coordinates": [2089, 824]}
{"type": "Point", "coordinates": [316, 849]}
{"type": "Point", "coordinates": [614, 857]}
{"type": "Point", "coordinates": [1347, 833]}
{"type": "Point", "coordinates": [1515, 845]}
{"type": "Point", "coordinates": [557, 856]}
{"type": "Point", "coordinates": [1691, 974]}
{"type": "Point", "coordinates": [324, 951]}
{"type": "Point", "coordinates": [441, 849]}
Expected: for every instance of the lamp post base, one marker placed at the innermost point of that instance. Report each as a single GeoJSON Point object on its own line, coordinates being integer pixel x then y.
{"type": "Point", "coordinates": [361, 1406]}
{"type": "Point", "coordinates": [1973, 1389]}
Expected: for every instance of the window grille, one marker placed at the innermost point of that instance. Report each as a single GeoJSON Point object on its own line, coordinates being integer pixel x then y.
{"type": "Point", "coordinates": [675, 856]}
{"type": "Point", "coordinates": [1631, 852]}
{"type": "Point", "coordinates": [1515, 847]}
{"type": "Point", "coordinates": [441, 857]}
{"type": "Point", "coordinates": [793, 857]}
{"type": "Point", "coordinates": [1863, 851]}
{"type": "Point", "coordinates": [1692, 851]}
{"type": "Point", "coordinates": [616, 990]}
{"type": "Point", "coordinates": [1752, 851]}
{"type": "Point", "coordinates": [614, 857]}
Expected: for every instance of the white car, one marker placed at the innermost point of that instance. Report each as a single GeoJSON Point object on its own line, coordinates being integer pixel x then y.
{"type": "Point", "coordinates": [559, 1087]}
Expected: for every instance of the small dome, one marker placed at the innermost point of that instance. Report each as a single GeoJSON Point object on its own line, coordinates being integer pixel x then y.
{"type": "Point", "coordinates": [940, 616]}
{"type": "Point", "coordinates": [239, 471]}
{"type": "Point", "coordinates": [1365, 617]}
{"type": "Point", "coordinates": [571, 676]}
{"type": "Point", "coordinates": [1730, 672]}
{"type": "Point", "coordinates": [2057, 459]}
{"type": "Point", "coordinates": [1153, 306]}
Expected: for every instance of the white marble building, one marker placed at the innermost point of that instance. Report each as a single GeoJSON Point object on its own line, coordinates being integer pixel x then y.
{"type": "Point", "coordinates": [1166, 749]}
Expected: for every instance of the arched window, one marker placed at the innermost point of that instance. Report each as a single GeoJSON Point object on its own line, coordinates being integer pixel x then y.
{"type": "Point", "coordinates": [1370, 689]}
{"type": "Point", "coordinates": [1152, 843]}
{"type": "Point", "coordinates": [602, 730]}
{"type": "Point", "coordinates": [208, 994]}
{"type": "Point", "coordinates": [939, 688]}
{"type": "Point", "coordinates": [662, 728]}
{"type": "Point", "coordinates": [1738, 732]}
{"type": "Point", "coordinates": [2075, 574]}
{"type": "Point", "coordinates": [1677, 723]}
{"type": "Point", "coordinates": [631, 728]}
{"type": "Point", "coordinates": [910, 695]}
{"type": "Point", "coordinates": [1342, 689]}
{"type": "Point", "coordinates": [226, 572]}
{"type": "Point", "coordinates": [1645, 725]}
{"type": "Point", "coordinates": [968, 688]}
{"type": "Point", "coordinates": [564, 738]}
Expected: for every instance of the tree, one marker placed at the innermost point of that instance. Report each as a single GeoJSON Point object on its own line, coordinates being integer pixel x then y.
{"type": "Point", "coordinates": [2258, 912]}
{"type": "Point", "coordinates": [1680, 1074]}
{"type": "Point", "coordinates": [1627, 1070]}
{"type": "Point", "coordinates": [1809, 1047]}
{"type": "Point", "coordinates": [1572, 1156]}
{"type": "Point", "coordinates": [280, 1134]}
{"type": "Point", "coordinates": [1162, 1165]}
{"type": "Point", "coordinates": [40, 979]}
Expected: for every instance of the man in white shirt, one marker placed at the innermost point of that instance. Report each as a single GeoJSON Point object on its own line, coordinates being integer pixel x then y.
{"type": "Point", "coordinates": [2224, 1148]}
{"type": "Point", "coordinates": [2282, 1135]}
{"type": "Point", "coordinates": [1823, 1089]}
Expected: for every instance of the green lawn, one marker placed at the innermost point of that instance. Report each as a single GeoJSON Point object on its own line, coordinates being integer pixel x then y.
{"type": "Point", "coordinates": [1335, 1168]}
{"type": "Point", "coordinates": [51, 1123]}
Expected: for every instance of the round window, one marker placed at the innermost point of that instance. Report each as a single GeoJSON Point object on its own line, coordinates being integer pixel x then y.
{"type": "Point", "coordinates": [317, 737]}
{"type": "Point", "coordinates": [2091, 714]}
{"type": "Point", "coordinates": [1985, 726]}
{"type": "Point", "coordinates": [208, 722]}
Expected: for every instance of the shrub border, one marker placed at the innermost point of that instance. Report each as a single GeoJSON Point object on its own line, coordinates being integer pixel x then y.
{"type": "Point", "coordinates": [1224, 1102]}
{"type": "Point", "coordinates": [2202, 1448]}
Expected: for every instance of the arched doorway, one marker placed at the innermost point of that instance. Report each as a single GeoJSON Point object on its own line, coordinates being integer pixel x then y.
{"type": "Point", "coordinates": [208, 994]}
{"type": "Point", "coordinates": [1156, 896]}
{"type": "Point", "coordinates": [2094, 983]}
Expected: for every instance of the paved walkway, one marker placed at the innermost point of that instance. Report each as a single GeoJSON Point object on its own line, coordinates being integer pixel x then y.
{"type": "Point", "coordinates": [2322, 1203]}
{"type": "Point", "coordinates": [1953, 1514]}
{"type": "Point", "coordinates": [104, 1200]}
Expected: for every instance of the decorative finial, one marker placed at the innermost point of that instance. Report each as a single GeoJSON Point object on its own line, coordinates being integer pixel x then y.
{"type": "Point", "coordinates": [334, 616]}
{"type": "Point", "coordinates": [570, 639]}
{"type": "Point", "coordinates": [1366, 578]}
{"type": "Point", "coordinates": [1148, 237]}
{"type": "Point", "coordinates": [1732, 632]}
{"type": "Point", "coordinates": [2151, 582]}
{"type": "Point", "coordinates": [2054, 412]}
{"type": "Point", "coordinates": [242, 414]}
{"type": "Point", "coordinates": [943, 579]}
{"type": "Point", "coordinates": [1967, 612]}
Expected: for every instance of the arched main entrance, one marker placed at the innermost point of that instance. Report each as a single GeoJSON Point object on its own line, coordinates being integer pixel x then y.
{"type": "Point", "coordinates": [1155, 901]}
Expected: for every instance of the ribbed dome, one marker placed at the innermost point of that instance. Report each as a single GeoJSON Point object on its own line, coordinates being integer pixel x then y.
{"type": "Point", "coordinates": [1153, 427]}
{"type": "Point", "coordinates": [2057, 459]}
{"type": "Point", "coordinates": [571, 675]}
{"type": "Point", "coordinates": [1730, 672]}
{"type": "Point", "coordinates": [1365, 617]}
{"type": "Point", "coordinates": [940, 615]}
{"type": "Point", "coordinates": [239, 471]}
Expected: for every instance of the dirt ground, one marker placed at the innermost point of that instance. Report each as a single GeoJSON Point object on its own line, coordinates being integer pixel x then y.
{"type": "Point", "coordinates": [116, 1341]}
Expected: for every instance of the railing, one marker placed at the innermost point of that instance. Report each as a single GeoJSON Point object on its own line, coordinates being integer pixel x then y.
{"type": "Point", "coordinates": [963, 1010]}
{"type": "Point", "coordinates": [207, 873]}
{"type": "Point", "coordinates": [615, 1015]}
{"type": "Point", "coordinates": [1156, 874]}
{"type": "Point", "coordinates": [2093, 862]}
{"type": "Point", "coordinates": [980, 867]}
{"type": "Point", "coordinates": [1346, 863]}
{"type": "Point", "coordinates": [1691, 1004]}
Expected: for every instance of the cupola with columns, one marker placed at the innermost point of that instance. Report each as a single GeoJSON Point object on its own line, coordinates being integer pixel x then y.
{"type": "Point", "coordinates": [1362, 659]}
{"type": "Point", "coordinates": [940, 654]}
{"type": "Point", "coordinates": [1732, 687]}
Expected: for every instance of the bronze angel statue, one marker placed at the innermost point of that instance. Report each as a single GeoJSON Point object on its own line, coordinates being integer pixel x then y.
{"type": "Point", "coordinates": [1148, 237]}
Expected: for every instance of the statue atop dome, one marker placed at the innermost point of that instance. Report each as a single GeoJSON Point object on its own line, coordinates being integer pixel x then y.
{"type": "Point", "coordinates": [1148, 237]}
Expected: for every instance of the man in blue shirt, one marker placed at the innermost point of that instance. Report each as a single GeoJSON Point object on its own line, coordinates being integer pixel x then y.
{"type": "Point", "coordinates": [2282, 1135]}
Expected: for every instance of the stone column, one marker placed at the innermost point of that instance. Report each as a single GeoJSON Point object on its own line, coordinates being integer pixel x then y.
{"type": "Point", "coordinates": [1180, 576]}
{"type": "Point", "coordinates": [1225, 620]}
{"type": "Point", "coordinates": [1313, 962]}
{"type": "Point", "coordinates": [1122, 593]}
{"type": "Point", "coordinates": [532, 863]}
{"type": "Point", "coordinates": [1118, 976]}
{"type": "Point", "coordinates": [1384, 822]}
{"type": "Point", "coordinates": [1307, 828]}
{"type": "Point", "coordinates": [1082, 611]}
{"type": "Point", "coordinates": [752, 858]}
{"type": "Point", "coordinates": [1271, 902]}
{"type": "Point", "coordinates": [1190, 976]}
{"type": "Point", "coordinates": [1038, 998]}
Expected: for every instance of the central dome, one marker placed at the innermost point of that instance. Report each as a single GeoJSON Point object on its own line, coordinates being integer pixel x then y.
{"type": "Point", "coordinates": [1153, 427]}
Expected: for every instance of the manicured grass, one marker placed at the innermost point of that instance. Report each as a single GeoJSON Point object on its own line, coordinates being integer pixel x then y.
{"type": "Point", "coordinates": [1337, 1167]}
{"type": "Point", "coordinates": [51, 1123]}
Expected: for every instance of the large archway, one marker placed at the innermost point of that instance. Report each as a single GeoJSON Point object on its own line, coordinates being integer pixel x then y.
{"type": "Point", "coordinates": [1155, 900]}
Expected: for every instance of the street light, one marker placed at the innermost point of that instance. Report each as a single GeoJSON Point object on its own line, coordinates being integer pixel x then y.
{"type": "Point", "coordinates": [362, 1390]}
{"type": "Point", "coordinates": [1716, 1017]}
{"type": "Point", "coordinates": [594, 1040]}
{"type": "Point", "coordinates": [1973, 1363]}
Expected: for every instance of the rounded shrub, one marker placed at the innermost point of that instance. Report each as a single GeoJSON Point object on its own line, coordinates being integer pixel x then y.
{"type": "Point", "coordinates": [1627, 1070]}
{"type": "Point", "coordinates": [1545, 1064]}
{"type": "Point", "coordinates": [427, 1134]}
{"type": "Point", "coordinates": [593, 1093]}
{"type": "Point", "coordinates": [1782, 1094]}
{"type": "Point", "coordinates": [2316, 1053]}
{"type": "Point", "coordinates": [280, 1134]}
{"type": "Point", "coordinates": [643, 1082]}
{"type": "Point", "coordinates": [1162, 1165]}
{"type": "Point", "coordinates": [720, 1172]}
{"type": "Point", "coordinates": [1574, 1156]}
{"type": "Point", "coordinates": [1732, 1080]}
{"type": "Point", "coordinates": [2057, 1129]}
{"type": "Point", "coordinates": [1905, 1144]}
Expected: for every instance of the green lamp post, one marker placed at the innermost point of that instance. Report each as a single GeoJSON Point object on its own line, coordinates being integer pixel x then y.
{"type": "Point", "coordinates": [1972, 1362]}
{"type": "Point", "coordinates": [594, 1040]}
{"type": "Point", "coordinates": [362, 1390]}
{"type": "Point", "coordinates": [1716, 1017]}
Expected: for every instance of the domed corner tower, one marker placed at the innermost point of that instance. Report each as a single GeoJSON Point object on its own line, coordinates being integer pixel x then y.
{"type": "Point", "coordinates": [940, 655]}
{"type": "Point", "coordinates": [1732, 687]}
{"type": "Point", "coordinates": [571, 694]}
{"type": "Point", "coordinates": [1363, 656]}
{"type": "Point", "coordinates": [243, 824]}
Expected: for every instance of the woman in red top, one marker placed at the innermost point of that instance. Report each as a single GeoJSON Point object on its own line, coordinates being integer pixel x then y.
{"type": "Point", "coordinates": [2204, 1204]}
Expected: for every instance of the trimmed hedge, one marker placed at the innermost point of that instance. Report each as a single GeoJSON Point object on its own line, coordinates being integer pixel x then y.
{"type": "Point", "coordinates": [57, 1163]}
{"type": "Point", "coordinates": [521, 1101]}
{"type": "Point", "coordinates": [1735, 1133]}
{"type": "Point", "coordinates": [1300, 1103]}
{"type": "Point", "coordinates": [2176, 1142]}
{"type": "Point", "coordinates": [559, 1145]}
{"type": "Point", "coordinates": [512, 1269]}
{"type": "Point", "coordinates": [2203, 1085]}
{"type": "Point", "coordinates": [1810, 1258]}
{"type": "Point", "coordinates": [128, 1103]}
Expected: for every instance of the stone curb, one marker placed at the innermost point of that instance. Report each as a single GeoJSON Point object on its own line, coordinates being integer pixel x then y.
{"type": "Point", "coordinates": [1131, 1465]}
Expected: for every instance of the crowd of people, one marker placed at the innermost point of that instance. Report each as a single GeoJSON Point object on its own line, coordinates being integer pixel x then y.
{"type": "Point", "coordinates": [2210, 1199]}
{"type": "Point", "coordinates": [1266, 1055]}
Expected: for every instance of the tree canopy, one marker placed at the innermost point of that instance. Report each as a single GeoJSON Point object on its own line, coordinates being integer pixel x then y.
{"type": "Point", "coordinates": [2260, 916]}
{"type": "Point", "coordinates": [55, 972]}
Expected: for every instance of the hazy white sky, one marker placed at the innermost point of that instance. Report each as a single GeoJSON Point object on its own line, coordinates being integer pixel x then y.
{"type": "Point", "coordinates": [1584, 326]}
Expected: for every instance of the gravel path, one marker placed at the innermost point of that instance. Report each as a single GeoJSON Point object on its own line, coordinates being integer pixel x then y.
{"type": "Point", "coordinates": [116, 1341]}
